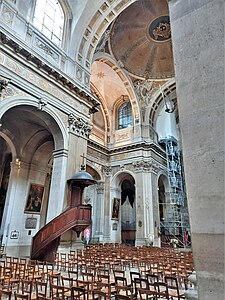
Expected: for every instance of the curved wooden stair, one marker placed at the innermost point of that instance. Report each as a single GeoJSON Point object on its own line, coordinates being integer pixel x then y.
{"type": "Point", "coordinates": [47, 239]}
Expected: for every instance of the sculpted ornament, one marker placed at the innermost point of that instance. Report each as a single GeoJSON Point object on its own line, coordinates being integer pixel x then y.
{"type": "Point", "coordinates": [107, 170]}
{"type": "Point", "coordinates": [147, 166]}
{"type": "Point", "coordinates": [78, 126]}
{"type": "Point", "coordinates": [144, 91]}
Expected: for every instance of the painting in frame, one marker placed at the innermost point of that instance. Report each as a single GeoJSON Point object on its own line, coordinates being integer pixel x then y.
{"type": "Point", "coordinates": [34, 199]}
{"type": "Point", "coordinates": [116, 209]}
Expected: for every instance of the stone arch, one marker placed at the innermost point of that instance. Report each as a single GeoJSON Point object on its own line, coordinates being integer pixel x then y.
{"type": "Point", "coordinates": [56, 126]}
{"type": "Point", "coordinates": [108, 60]}
{"type": "Point", "coordinates": [158, 101]}
{"type": "Point", "coordinates": [100, 18]}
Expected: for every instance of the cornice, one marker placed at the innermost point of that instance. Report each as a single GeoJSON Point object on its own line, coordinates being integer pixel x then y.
{"type": "Point", "coordinates": [46, 69]}
{"type": "Point", "coordinates": [131, 147]}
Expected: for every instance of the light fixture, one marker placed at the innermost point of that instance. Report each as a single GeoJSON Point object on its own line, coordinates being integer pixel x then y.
{"type": "Point", "coordinates": [169, 105]}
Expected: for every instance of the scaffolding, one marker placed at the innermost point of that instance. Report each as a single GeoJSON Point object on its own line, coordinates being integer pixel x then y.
{"type": "Point", "coordinates": [176, 214]}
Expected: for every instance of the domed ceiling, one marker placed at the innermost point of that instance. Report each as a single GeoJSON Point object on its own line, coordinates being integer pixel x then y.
{"type": "Point", "coordinates": [140, 40]}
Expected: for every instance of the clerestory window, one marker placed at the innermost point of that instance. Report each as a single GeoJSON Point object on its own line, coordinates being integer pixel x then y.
{"type": "Point", "coordinates": [49, 19]}
{"type": "Point", "coordinates": [124, 115]}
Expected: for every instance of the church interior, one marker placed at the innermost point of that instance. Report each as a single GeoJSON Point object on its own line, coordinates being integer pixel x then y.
{"type": "Point", "coordinates": [111, 157]}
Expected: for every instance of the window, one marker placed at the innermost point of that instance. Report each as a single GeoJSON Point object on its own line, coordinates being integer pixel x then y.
{"type": "Point", "coordinates": [49, 19]}
{"type": "Point", "coordinates": [124, 115]}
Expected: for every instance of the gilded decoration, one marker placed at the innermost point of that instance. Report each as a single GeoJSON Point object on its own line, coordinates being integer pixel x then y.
{"type": "Point", "coordinates": [159, 29]}
{"type": "Point", "coordinates": [78, 126]}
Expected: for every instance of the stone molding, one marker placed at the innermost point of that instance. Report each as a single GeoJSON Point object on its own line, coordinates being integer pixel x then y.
{"type": "Point", "coordinates": [32, 59]}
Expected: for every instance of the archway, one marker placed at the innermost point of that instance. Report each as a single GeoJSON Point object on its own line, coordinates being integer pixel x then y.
{"type": "Point", "coordinates": [128, 210]}
{"type": "Point", "coordinates": [29, 137]}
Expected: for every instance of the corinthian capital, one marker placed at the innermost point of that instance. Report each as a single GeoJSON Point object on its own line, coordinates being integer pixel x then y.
{"type": "Point", "coordinates": [78, 126]}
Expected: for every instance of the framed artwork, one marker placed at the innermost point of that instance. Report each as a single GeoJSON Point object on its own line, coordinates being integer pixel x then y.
{"type": "Point", "coordinates": [34, 199]}
{"type": "Point", "coordinates": [116, 209]}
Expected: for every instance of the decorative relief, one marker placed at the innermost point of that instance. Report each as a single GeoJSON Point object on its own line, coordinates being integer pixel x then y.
{"type": "Point", "coordinates": [10, 91]}
{"type": "Point", "coordinates": [41, 104]}
{"type": "Point", "coordinates": [102, 43]}
{"type": "Point", "coordinates": [107, 170]}
{"type": "Point", "coordinates": [147, 166]}
{"type": "Point", "coordinates": [79, 126]}
{"type": "Point", "coordinates": [144, 91]}
{"type": "Point", "coordinates": [100, 188]}
{"type": "Point", "coordinates": [7, 15]}
{"type": "Point", "coordinates": [46, 49]}
{"type": "Point", "coordinates": [40, 82]}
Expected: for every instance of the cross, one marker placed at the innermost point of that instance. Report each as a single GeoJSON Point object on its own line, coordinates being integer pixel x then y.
{"type": "Point", "coordinates": [83, 165]}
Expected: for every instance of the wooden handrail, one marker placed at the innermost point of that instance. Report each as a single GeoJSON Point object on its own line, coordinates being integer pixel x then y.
{"type": "Point", "coordinates": [79, 216]}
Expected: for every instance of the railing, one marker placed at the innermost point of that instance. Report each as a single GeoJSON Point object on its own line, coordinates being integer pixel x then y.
{"type": "Point", "coordinates": [77, 218]}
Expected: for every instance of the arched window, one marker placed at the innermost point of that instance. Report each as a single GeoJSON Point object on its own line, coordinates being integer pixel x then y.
{"type": "Point", "coordinates": [124, 115]}
{"type": "Point", "coordinates": [49, 19]}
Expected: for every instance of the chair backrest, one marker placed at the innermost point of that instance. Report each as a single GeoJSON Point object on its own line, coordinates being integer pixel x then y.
{"type": "Point", "coordinates": [27, 286]}
{"type": "Point", "coordinates": [162, 290]}
{"type": "Point", "coordinates": [41, 288]}
{"type": "Point", "coordinates": [98, 295]}
{"type": "Point", "coordinates": [21, 296]}
{"type": "Point", "coordinates": [133, 276]}
{"type": "Point", "coordinates": [147, 294]}
{"type": "Point", "coordinates": [172, 284]}
{"type": "Point", "coordinates": [6, 295]}
{"type": "Point", "coordinates": [120, 281]}
{"type": "Point", "coordinates": [57, 292]}
{"type": "Point", "coordinates": [77, 293]}
{"type": "Point", "coordinates": [122, 297]}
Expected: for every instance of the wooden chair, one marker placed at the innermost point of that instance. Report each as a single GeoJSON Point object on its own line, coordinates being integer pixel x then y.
{"type": "Point", "coordinates": [77, 293]}
{"type": "Point", "coordinates": [122, 287]}
{"type": "Point", "coordinates": [161, 290]}
{"type": "Point", "coordinates": [27, 288]}
{"type": "Point", "coordinates": [140, 283]}
{"type": "Point", "coordinates": [173, 288]}
{"type": "Point", "coordinates": [57, 292]}
{"type": "Point", "coordinates": [122, 297]}
{"type": "Point", "coordinates": [19, 296]}
{"type": "Point", "coordinates": [41, 288]}
{"type": "Point", "coordinates": [6, 295]}
{"type": "Point", "coordinates": [98, 295]}
{"type": "Point", "coordinates": [147, 294]}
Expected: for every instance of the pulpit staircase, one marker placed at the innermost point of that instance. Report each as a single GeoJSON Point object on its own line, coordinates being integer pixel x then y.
{"type": "Point", "coordinates": [47, 239]}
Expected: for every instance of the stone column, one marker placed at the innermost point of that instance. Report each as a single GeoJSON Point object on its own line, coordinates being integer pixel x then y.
{"type": "Point", "coordinates": [198, 46]}
{"type": "Point", "coordinates": [58, 183]}
{"type": "Point", "coordinates": [106, 230]}
{"type": "Point", "coordinates": [146, 199]}
{"type": "Point", "coordinates": [99, 212]}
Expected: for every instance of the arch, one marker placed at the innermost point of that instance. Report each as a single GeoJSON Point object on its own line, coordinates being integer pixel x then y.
{"type": "Point", "coordinates": [128, 85]}
{"type": "Point", "coordinates": [166, 89]}
{"type": "Point", "coordinates": [119, 176]}
{"type": "Point", "coordinates": [10, 144]}
{"type": "Point", "coordinates": [98, 21]}
{"type": "Point", "coordinates": [57, 128]}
